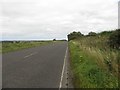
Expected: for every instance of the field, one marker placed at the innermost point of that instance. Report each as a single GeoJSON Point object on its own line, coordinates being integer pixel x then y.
{"type": "Point", "coordinates": [94, 64]}
{"type": "Point", "coordinates": [9, 46]}
{"type": "Point", "coordinates": [0, 47]}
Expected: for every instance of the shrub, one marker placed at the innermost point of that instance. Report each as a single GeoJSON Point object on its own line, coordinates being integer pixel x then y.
{"type": "Point", "coordinates": [74, 35]}
{"type": "Point", "coordinates": [114, 39]}
{"type": "Point", "coordinates": [54, 39]}
{"type": "Point", "coordinates": [91, 34]}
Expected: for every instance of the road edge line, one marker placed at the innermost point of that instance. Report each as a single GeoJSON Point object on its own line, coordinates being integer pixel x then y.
{"type": "Point", "coordinates": [63, 69]}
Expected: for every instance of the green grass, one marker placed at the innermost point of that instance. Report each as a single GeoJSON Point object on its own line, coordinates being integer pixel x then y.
{"type": "Point", "coordinates": [9, 47]}
{"type": "Point", "coordinates": [0, 47]}
{"type": "Point", "coordinates": [94, 64]}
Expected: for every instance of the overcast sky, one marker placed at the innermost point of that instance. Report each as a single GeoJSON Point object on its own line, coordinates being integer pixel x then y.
{"type": "Point", "coordinates": [48, 19]}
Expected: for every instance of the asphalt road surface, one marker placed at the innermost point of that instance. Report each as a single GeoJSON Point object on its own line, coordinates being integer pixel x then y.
{"type": "Point", "coordinates": [38, 67]}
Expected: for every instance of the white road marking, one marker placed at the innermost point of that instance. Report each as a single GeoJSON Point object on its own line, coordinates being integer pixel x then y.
{"type": "Point", "coordinates": [63, 69]}
{"type": "Point", "coordinates": [30, 55]}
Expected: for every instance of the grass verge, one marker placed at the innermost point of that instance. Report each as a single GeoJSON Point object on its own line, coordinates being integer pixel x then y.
{"type": "Point", "coordinates": [90, 66]}
{"type": "Point", "coordinates": [0, 47]}
{"type": "Point", "coordinates": [11, 46]}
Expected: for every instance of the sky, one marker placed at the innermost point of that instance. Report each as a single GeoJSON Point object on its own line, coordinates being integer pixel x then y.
{"type": "Point", "coordinates": [49, 19]}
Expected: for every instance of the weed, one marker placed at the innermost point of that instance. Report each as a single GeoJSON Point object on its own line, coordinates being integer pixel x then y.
{"type": "Point", "coordinates": [93, 63]}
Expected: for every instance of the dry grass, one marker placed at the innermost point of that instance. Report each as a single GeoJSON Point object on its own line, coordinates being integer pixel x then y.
{"type": "Point", "coordinates": [93, 55]}
{"type": "Point", "coordinates": [98, 48]}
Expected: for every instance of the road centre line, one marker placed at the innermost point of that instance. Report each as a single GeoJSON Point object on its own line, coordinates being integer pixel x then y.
{"type": "Point", "coordinates": [30, 54]}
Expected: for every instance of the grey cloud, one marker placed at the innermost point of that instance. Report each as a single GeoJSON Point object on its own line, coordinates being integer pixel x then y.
{"type": "Point", "coordinates": [47, 19]}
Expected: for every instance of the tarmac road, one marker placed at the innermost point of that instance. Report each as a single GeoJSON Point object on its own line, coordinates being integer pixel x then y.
{"type": "Point", "coordinates": [38, 67]}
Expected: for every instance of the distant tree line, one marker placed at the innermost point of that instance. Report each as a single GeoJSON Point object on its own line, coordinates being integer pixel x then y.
{"type": "Point", "coordinates": [113, 41]}
{"type": "Point", "coordinates": [75, 35]}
